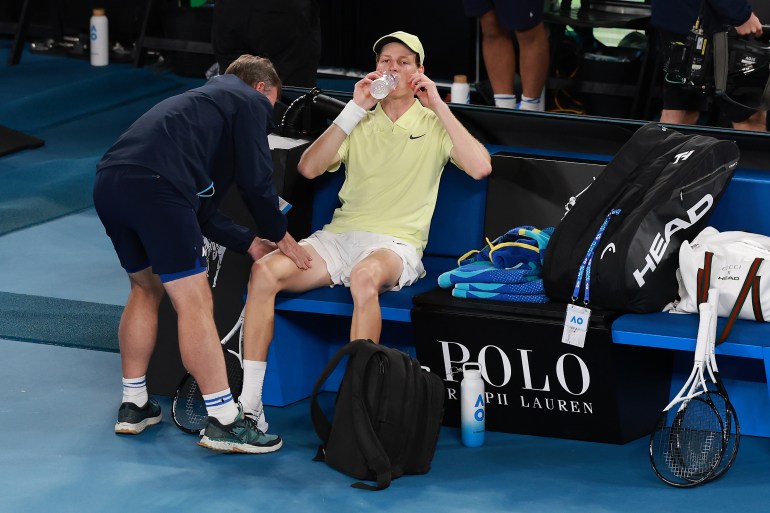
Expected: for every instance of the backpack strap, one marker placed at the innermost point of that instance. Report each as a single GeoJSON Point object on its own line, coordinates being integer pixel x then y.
{"type": "Point", "coordinates": [368, 443]}
{"type": "Point", "coordinates": [751, 281]}
{"type": "Point", "coordinates": [321, 424]}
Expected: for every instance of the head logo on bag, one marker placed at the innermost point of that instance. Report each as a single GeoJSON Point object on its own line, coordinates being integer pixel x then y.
{"type": "Point", "coordinates": [661, 241]}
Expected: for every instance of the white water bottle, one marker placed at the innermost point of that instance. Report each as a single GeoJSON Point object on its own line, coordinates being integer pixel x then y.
{"type": "Point", "coordinates": [382, 86]}
{"type": "Point", "coordinates": [472, 410]}
{"type": "Point", "coordinates": [100, 39]}
{"type": "Point", "coordinates": [461, 90]}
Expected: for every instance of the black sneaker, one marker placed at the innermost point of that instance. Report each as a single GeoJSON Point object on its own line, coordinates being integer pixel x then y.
{"type": "Point", "coordinates": [240, 436]}
{"type": "Point", "coordinates": [133, 419]}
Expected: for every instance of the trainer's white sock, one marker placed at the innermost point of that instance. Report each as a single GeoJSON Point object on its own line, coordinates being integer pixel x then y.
{"type": "Point", "coordinates": [135, 390]}
{"type": "Point", "coordinates": [253, 378]}
{"type": "Point", "coordinates": [505, 101]}
{"type": "Point", "coordinates": [221, 406]}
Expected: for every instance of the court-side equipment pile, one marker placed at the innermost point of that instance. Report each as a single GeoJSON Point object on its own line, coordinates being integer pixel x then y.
{"type": "Point", "coordinates": [188, 410]}
{"type": "Point", "coordinates": [697, 436]}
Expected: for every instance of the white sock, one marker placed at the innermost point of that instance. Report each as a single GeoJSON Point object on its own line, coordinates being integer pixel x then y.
{"type": "Point", "coordinates": [536, 104]}
{"type": "Point", "coordinates": [135, 390]}
{"type": "Point", "coordinates": [505, 101]}
{"type": "Point", "coordinates": [221, 406]}
{"type": "Point", "coordinates": [253, 379]}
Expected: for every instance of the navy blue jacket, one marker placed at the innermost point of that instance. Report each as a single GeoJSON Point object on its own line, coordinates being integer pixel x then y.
{"type": "Point", "coordinates": [214, 134]}
{"type": "Point", "coordinates": [678, 16]}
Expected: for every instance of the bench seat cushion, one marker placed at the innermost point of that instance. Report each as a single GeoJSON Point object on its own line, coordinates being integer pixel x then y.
{"type": "Point", "coordinates": [396, 306]}
{"type": "Point", "coordinates": [678, 331]}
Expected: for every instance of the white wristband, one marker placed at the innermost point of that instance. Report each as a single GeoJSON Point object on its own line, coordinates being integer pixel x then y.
{"type": "Point", "coordinates": [349, 117]}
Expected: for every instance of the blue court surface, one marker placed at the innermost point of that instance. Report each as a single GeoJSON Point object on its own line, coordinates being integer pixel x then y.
{"type": "Point", "coordinates": [61, 295]}
{"type": "Point", "coordinates": [58, 453]}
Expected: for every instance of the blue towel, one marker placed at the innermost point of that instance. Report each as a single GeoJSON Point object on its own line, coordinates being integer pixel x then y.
{"type": "Point", "coordinates": [517, 298]}
{"type": "Point", "coordinates": [529, 288]}
{"type": "Point", "coordinates": [521, 245]}
{"type": "Point", "coordinates": [486, 272]}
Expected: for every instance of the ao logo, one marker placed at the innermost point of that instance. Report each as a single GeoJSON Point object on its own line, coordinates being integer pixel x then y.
{"type": "Point", "coordinates": [479, 413]}
{"type": "Point", "coordinates": [576, 320]}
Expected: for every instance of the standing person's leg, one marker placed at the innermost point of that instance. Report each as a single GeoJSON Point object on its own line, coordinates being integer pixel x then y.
{"type": "Point", "coordinates": [199, 344]}
{"type": "Point", "coordinates": [270, 275]}
{"type": "Point", "coordinates": [499, 59]}
{"type": "Point", "coordinates": [137, 334]}
{"type": "Point", "coordinates": [679, 117]}
{"type": "Point", "coordinates": [533, 66]}
{"type": "Point", "coordinates": [756, 122]}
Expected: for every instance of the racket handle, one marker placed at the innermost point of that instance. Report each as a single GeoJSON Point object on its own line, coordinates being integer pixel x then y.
{"type": "Point", "coordinates": [704, 327]}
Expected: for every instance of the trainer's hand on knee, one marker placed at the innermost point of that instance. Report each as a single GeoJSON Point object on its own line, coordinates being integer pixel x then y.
{"type": "Point", "coordinates": [293, 250]}
{"type": "Point", "coordinates": [261, 247]}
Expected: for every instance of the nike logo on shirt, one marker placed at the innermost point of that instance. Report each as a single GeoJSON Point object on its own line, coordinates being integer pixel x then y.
{"type": "Point", "coordinates": [413, 137]}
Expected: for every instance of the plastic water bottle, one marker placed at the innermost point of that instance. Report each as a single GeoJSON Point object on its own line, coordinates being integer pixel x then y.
{"type": "Point", "coordinates": [461, 90]}
{"type": "Point", "coordinates": [100, 39]}
{"type": "Point", "coordinates": [382, 86]}
{"type": "Point", "coordinates": [472, 411]}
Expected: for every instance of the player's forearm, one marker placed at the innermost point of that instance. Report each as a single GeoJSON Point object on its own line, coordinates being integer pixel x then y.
{"type": "Point", "coordinates": [322, 153]}
{"type": "Point", "coordinates": [468, 152]}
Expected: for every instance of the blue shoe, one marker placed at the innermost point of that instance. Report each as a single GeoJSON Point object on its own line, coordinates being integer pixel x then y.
{"type": "Point", "coordinates": [240, 436]}
{"type": "Point", "coordinates": [133, 419]}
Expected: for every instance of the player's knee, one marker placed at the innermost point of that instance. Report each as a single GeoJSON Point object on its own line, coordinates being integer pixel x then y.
{"type": "Point", "coordinates": [364, 282]}
{"type": "Point", "coordinates": [263, 280]}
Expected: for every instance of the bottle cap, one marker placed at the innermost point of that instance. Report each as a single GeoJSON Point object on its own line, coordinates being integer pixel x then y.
{"type": "Point", "coordinates": [472, 370]}
{"type": "Point", "coordinates": [461, 79]}
{"type": "Point", "coordinates": [99, 12]}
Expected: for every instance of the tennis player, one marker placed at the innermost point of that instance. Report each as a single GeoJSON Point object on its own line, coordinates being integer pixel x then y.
{"type": "Point", "coordinates": [394, 151]}
{"type": "Point", "coordinates": [157, 192]}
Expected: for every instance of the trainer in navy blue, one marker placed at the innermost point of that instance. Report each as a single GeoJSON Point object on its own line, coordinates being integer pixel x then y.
{"type": "Point", "coordinates": [133, 419]}
{"type": "Point", "coordinates": [240, 436]}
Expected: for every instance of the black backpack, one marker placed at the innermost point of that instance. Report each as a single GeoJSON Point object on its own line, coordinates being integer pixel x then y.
{"type": "Point", "coordinates": [387, 415]}
{"type": "Point", "coordinates": [658, 191]}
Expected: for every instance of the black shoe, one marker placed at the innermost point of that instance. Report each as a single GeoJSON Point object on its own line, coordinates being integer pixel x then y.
{"type": "Point", "coordinates": [133, 419]}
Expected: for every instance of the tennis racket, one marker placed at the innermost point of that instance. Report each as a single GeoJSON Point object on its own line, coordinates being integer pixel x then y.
{"type": "Point", "coordinates": [188, 410]}
{"type": "Point", "coordinates": [687, 445]}
{"type": "Point", "coordinates": [718, 393]}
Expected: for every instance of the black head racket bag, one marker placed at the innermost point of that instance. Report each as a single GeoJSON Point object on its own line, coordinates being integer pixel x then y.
{"type": "Point", "coordinates": [386, 418]}
{"type": "Point", "coordinates": [658, 191]}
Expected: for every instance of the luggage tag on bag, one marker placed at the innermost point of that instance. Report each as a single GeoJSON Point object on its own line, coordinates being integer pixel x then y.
{"type": "Point", "coordinates": [576, 325]}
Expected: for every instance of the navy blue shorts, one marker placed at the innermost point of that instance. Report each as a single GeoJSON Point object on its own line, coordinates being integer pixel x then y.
{"type": "Point", "coordinates": [149, 222]}
{"type": "Point", "coordinates": [513, 14]}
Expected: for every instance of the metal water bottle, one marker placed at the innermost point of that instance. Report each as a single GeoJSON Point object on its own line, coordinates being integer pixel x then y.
{"type": "Point", "coordinates": [472, 410]}
{"type": "Point", "coordinates": [100, 39]}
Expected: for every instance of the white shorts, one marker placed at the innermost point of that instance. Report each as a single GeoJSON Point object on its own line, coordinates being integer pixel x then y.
{"type": "Point", "coordinates": [342, 251]}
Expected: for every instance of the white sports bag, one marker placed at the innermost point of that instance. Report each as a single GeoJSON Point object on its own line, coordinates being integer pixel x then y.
{"type": "Point", "coordinates": [733, 262]}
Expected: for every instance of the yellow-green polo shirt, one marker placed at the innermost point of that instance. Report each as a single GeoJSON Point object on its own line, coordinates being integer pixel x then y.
{"type": "Point", "coordinates": [392, 174]}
